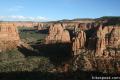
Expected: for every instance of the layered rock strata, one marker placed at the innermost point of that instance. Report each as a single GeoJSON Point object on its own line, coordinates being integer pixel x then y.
{"type": "Point", "coordinates": [9, 37]}
{"type": "Point", "coordinates": [57, 34]}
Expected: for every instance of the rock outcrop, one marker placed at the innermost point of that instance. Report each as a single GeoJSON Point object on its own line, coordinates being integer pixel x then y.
{"type": "Point", "coordinates": [39, 26]}
{"type": "Point", "coordinates": [9, 37]}
{"type": "Point", "coordinates": [114, 38]}
{"type": "Point", "coordinates": [100, 44]}
{"type": "Point", "coordinates": [101, 52]}
{"type": "Point", "coordinates": [94, 46]}
{"type": "Point", "coordinates": [57, 34]}
{"type": "Point", "coordinates": [78, 42]}
{"type": "Point", "coordinates": [87, 66]}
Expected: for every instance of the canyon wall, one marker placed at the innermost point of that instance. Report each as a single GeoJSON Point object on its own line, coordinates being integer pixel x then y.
{"type": "Point", "coordinates": [94, 47]}
{"type": "Point", "coordinates": [9, 37]}
{"type": "Point", "coordinates": [100, 50]}
{"type": "Point", "coordinates": [57, 34]}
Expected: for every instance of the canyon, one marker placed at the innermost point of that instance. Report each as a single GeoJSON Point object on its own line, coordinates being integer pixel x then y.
{"type": "Point", "coordinates": [94, 45]}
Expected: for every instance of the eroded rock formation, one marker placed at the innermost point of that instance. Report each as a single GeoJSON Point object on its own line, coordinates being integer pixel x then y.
{"type": "Point", "coordinates": [114, 38]}
{"type": "Point", "coordinates": [101, 52]}
{"type": "Point", "coordinates": [39, 26]}
{"type": "Point", "coordinates": [100, 44]}
{"type": "Point", "coordinates": [9, 37]}
{"type": "Point", "coordinates": [94, 46]}
{"type": "Point", "coordinates": [78, 42]}
{"type": "Point", "coordinates": [57, 34]}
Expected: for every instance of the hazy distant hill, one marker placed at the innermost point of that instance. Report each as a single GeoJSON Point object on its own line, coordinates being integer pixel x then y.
{"type": "Point", "coordinates": [107, 20]}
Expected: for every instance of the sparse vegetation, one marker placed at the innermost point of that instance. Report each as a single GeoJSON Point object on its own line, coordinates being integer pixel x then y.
{"type": "Point", "coordinates": [30, 35]}
{"type": "Point", "coordinates": [47, 61]}
{"type": "Point", "coordinates": [14, 60]}
{"type": "Point", "coordinates": [25, 65]}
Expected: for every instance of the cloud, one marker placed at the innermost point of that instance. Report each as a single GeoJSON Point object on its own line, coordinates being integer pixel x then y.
{"type": "Point", "coordinates": [23, 18]}
{"type": "Point", "coordinates": [15, 8]}
{"type": "Point", "coordinates": [1, 17]}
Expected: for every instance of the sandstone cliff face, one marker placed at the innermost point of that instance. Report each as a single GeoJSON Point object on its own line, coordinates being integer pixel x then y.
{"type": "Point", "coordinates": [114, 38]}
{"type": "Point", "coordinates": [28, 24]}
{"type": "Point", "coordinates": [100, 44]}
{"type": "Point", "coordinates": [57, 34]}
{"type": "Point", "coordinates": [83, 26]}
{"type": "Point", "coordinates": [78, 42]}
{"type": "Point", "coordinates": [9, 37]}
{"type": "Point", "coordinates": [39, 26]}
{"type": "Point", "coordinates": [101, 52]}
{"type": "Point", "coordinates": [23, 24]}
{"type": "Point", "coordinates": [76, 46]}
{"type": "Point", "coordinates": [94, 47]}
{"type": "Point", "coordinates": [104, 37]}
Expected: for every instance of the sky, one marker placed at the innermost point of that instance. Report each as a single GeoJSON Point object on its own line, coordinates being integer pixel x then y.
{"type": "Point", "coordinates": [46, 10]}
